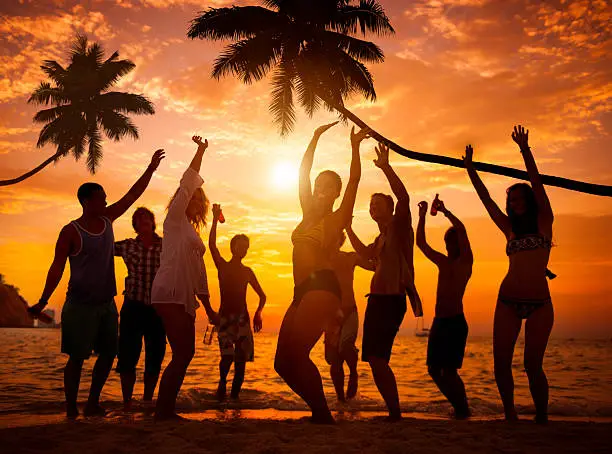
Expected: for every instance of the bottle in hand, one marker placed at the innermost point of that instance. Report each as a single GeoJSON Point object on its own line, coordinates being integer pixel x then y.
{"type": "Point", "coordinates": [434, 206]}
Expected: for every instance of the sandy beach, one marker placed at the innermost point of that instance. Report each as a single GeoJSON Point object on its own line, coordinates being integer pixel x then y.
{"type": "Point", "coordinates": [259, 434]}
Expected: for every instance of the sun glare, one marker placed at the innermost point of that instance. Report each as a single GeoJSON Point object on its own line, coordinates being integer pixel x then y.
{"type": "Point", "coordinates": [284, 175]}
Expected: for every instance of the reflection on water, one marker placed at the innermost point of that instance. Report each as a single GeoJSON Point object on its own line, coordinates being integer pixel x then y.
{"type": "Point", "coordinates": [580, 375]}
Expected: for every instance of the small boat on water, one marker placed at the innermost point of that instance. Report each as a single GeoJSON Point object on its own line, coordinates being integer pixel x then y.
{"type": "Point", "coordinates": [421, 330]}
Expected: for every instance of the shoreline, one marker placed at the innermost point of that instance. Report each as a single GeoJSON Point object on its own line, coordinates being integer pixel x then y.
{"type": "Point", "coordinates": [251, 433]}
{"type": "Point", "coordinates": [10, 420]}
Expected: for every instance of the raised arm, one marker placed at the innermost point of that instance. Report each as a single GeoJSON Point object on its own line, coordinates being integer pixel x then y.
{"type": "Point", "coordinates": [398, 188]}
{"type": "Point", "coordinates": [345, 212]}
{"type": "Point", "coordinates": [196, 162]}
{"type": "Point", "coordinates": [364, 251]}
{"type": "Point", "coordinates": [117, 209]}
{"type": "Point", "coordinates": [464, 241]}
{"type": "Point", "coordinates": [306, 167]}
{"type": "Point", "coordinates": [257, 321]}
{"type": "Point", "coordinates": [56, 270]}
{"type": "Point", "coordinates": [496, 214]}
{"type": "Point", "coordinates": [521, 137]}
{"type": "Point", "coordinates": [421, 241]}
{"type": "Point", "coordinates": [212, 237]}
{"type": "Point", "coordinates": [190, 181]}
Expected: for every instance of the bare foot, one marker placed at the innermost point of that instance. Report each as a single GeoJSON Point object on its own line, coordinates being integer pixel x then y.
{"type": "Point", "coordinates": [351, 388]}
{"type": "Point", "coordinates": [323, 417]}
{"type": "Point", "coordinates": [94, 410]}
{"type": "Point", "coordinates": [394, 416]}
{"type": "Point", "coordinates": [72, 411]}
{"type": "Point", "coordinates": [221, 391]}
{"type": "Point", "coordinates": [511, 416]}
{"type": "Point", "coordinates": [541, 419]}
{"type": "Point", "coordinates": [461, 413]}
{"type": "Point", "coordinates": [128, 405]}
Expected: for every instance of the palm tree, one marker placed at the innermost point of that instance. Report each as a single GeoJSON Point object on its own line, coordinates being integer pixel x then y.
{"type": "Point", "coordinates": [313, 51]}
{"type": "Point", "coordinates": [83, 106]}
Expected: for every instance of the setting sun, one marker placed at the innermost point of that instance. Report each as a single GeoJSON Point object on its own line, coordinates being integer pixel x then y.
{"type": "Point", "coordinates": [284, 175]}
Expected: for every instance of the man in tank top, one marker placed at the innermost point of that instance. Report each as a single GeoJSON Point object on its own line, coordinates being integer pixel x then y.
{"type": "Point", "coordinates": [89, 315]}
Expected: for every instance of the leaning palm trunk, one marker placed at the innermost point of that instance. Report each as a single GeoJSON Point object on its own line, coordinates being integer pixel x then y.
{"type": "Point", "coordinates": [35, 170]}
{"type": "Point", "coordinates": [566, 183]}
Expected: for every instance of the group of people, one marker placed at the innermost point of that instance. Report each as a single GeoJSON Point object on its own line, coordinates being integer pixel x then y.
{"type": "Point", "coordinates": [167, 281]}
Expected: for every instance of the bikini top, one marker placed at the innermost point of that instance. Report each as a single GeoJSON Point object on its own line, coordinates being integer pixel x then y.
{"type": "Point", "coordinates": [314, 234]}
{"type": "Point", "coordinates": [529, 243]}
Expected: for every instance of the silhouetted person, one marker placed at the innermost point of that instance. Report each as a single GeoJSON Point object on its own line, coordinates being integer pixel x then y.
{"type": "Point", "coordinates": [449, 330]}
{"type": "Point", "coordinates": [180, 279]}
{"type": "Point", "coordinates": [392, 253]}
{"type": "Point", "coordinates": [523, 294]}
{"type": "Point", "coordinates": [317, 295]}
{"type": "Point", "coordinates": [341, 336]}
{"type": "Point", "coordinates": [89, 315]}
{"type": "Point", "coordinates": [235, 335]}
{"type": "Point", "coordinates": [138, 318]}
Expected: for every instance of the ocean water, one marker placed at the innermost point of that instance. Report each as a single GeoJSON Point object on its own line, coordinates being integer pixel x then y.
{"type": "Point", "coordinates": [579, 372]}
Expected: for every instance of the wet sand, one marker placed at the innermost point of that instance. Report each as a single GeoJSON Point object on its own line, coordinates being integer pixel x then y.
{"type": "Point", "coordinates": [274, 432]}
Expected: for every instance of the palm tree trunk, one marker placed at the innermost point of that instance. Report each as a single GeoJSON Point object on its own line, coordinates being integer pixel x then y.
{"type": "Point", "coordinates": [48, 161]}
{"type": "Point", "coordinates": [566, 183]}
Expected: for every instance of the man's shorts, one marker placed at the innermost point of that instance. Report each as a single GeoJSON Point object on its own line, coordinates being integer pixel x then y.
{"type": "Point", "coordinates": [235, 337]}
{"type": "Point", "coordinates": [89, 328]}
{"type": "Point", "coordinates": [447, 339]}
{"type": "Point", "coordinates": [383, 318]}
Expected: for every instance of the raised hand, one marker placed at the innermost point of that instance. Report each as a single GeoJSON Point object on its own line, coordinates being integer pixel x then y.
{"type": "Point", "coordinates": [422, 208]}
{"type": "Point", "coordinates": [216, 211]}
{"type": "Point", "coordinates": [321, 129]}
{"type": "Point", "coordinates": [257, 322]}
{"type": "Point", "coordinates": [156, 159]}
{"type": "Point", "coordinates": [440, 206]}
{"type": "Point", "coordinates": [201, 145]}
{"type": "Point", "coordinates": [356, 138]}
{"type": "Point", "coordinates": [521, 136]}
{"type": "Point", "coordinates": [469, 155]}
{"type": "Point", "coordinates": [382, 156]}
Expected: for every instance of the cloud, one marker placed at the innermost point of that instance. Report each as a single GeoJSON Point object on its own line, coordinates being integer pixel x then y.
{"type": "Point", "coordinates": [28, 40]}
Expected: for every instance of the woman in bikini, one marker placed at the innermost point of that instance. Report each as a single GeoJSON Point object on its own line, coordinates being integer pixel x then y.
{"type": "Point", "coordinates": [524, 293]}
{"type": "Point", "coordinates": [317, 295]}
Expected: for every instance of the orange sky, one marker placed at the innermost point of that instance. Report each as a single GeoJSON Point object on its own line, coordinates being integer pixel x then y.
{"type": "Point", "coordinates": [456, 72]}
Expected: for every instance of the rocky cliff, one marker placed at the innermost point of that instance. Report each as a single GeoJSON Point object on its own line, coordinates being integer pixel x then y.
{"type": "Point", "coordinates": [13, 308]}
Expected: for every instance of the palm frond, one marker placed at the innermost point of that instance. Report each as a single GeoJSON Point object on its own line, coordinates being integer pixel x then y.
{"type": "Point", "coordinates": [281, 106]}
{"type": "Point", "coordinates": [117, 126]}
{"type": "Point", "coordinates": [95, 54]}
{"type": "Point", "coordinates": [359, 49]}
{"type": "Point", "coordinates": [63, 131]}
{"type": "Point", "coordinates": [48, 115]}
{"type": "Point", "coordinates": [79, 146]}
{"type": "Point", "coordinates": [44, 94]}
{"type": "Point", "coordinates": [94, 153]}
{"type": "Point", "coordinates": [305, 87]}
{"type": "Point", "coordinates": [369, 16]}
{"type": "Point", "coordinates": [79, 47]}
{"type": "Point", "coordinates": [124, 103]}
{"type": "Point", "coordinates": [56, 72]}
{"type": "Point", "coordinates": [237, 22]}
{"type": "Point", "coordinates": [249, 59]}
{"type": "Point", "coordinates": [112, 70]}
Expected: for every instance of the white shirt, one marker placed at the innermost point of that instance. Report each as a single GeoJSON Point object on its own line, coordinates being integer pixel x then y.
{"type": "Point", "coordinates": [181, 275]}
